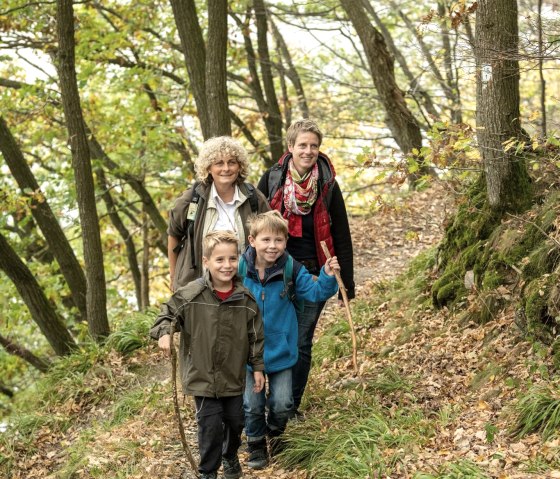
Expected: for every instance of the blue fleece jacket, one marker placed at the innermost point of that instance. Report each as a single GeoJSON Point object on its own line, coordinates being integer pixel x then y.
{"type": "Point", "coordinates": [278, 312]}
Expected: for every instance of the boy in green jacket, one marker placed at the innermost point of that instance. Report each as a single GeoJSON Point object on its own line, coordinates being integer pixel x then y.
{"type": "Point", "coordinates": [221, 332]}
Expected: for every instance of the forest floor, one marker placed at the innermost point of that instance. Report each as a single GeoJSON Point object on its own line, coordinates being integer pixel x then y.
{"type": "Point", "coordinates": [464, 375]}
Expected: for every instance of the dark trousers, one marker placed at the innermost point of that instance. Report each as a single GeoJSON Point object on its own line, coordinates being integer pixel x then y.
{"type": "Point", "coordinates": [220, 422]}
{"type": "Point", "coordinates": [307, 315]}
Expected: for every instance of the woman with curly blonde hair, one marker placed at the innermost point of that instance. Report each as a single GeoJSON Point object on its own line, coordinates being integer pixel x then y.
{"type": "Point", "coordinates": [219, 200]}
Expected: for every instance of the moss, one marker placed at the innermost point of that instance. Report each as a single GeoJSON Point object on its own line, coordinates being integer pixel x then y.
{"type": "Point", "coordinates": [492, 279]}
{"type": "Point", "coordinates": [448, 292]}
{"type": "Point", "coordinates": [540, 319]}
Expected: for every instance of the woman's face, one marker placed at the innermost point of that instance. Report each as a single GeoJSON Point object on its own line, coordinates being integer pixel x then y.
{"type": "Point", "coordinates": [224, 171]}
{"type": "Point", "coordinates": [305, 151]}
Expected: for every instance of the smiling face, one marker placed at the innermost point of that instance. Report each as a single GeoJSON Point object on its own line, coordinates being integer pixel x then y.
{"type": "Point", "coordinates": [222, 265]}
{"type": "Point", "coordinates": [224, 171]}
{"type": "Point", "coordinates": [305, 151]}
{"type": "Point", "coordinates": [269, 245]}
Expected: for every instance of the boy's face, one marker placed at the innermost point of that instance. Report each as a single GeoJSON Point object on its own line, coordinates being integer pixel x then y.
{"type": "Point", "coordinates": [222, 264]}
{"type": "Point", "coordinates": [269, 245]}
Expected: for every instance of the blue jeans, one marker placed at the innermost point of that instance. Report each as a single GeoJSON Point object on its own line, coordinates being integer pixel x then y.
{"type": "Point", "coordinates": [279, 402]}
{"type": "Point", "coordinates": [307, 315]}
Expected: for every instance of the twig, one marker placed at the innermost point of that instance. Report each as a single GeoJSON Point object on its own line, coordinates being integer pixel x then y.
{"type": "Point", "coordinates": [347, 307]}
{"type": "Point", "coordinates": [176, 400]}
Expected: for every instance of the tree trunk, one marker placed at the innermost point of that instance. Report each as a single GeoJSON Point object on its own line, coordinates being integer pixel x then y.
{"type": "Point", "coordinates": [404, 127]}
{"type": "Point", "coordinates": [42, 312]}
{"type": "Point", "coordinates": [194, 51]}
{"type": "Point", "coordinates": [216, 73]}
{"type": "Point", "coordinates": [112, 211]}
{"type": "Point", "coordinates": [291, 71]}
{"type": "Point", "coordinates": [497, 99]}
{"type": "Point", "coordinates": [273, 120]}
{"type": "Point", "coordinates": [45, 218]}
{"type": "Point", "coordinates": [96, 298]}
{"type": "Point", "coordinates": [541, 69]}
{"type": "Point", "coordinates": [24, 354]}
{"type": "Point", "coordinates": [145, 276]}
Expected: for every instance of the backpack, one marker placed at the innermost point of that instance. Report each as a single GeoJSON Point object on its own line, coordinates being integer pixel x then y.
{"type": "Point", "coordinates": [289, 274]}
{"type": "Point", "coordinates": [192, 217]}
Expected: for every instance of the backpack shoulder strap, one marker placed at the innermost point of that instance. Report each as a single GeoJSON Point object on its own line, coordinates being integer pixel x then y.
{"type": "Point", "coordinates": [275, 179]}
{"type": "Point", "coordinates": [252, 197]}
{"type": "Point", "coordinates": [290, 274]}
{"type": "Point", "coordinates": [242, 268]}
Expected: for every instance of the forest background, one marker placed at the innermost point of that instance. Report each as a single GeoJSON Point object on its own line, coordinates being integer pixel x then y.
{"type": "Point", "coordinates": [105, 104]}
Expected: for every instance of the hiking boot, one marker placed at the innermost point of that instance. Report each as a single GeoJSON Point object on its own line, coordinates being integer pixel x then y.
{"type": "Point", "coordinates": [232, 468]}
{"type": "Point", "coordinates": [258, 455]}
{"type": "Point", "coordinates": [208, 475]}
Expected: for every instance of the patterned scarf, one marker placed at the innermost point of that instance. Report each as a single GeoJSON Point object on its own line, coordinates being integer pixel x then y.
{"type": "Point", "coordinates": [300, 193]}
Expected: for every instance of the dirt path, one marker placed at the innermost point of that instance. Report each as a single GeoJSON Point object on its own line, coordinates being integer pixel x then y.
{"type": "Point", "coordinates": [383, 244]}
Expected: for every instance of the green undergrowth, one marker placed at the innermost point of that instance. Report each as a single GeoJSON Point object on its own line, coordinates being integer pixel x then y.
{"type": "Point", "coordinates": [455, 470]}
{"type": "Point", "coordinates": [357, 438]}
{"type": "Point", "coordinates": [97, 388]}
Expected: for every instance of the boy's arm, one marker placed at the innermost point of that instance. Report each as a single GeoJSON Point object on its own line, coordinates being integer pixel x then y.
{"type": "Point", "coordinates": [320, 290]}
{"type": "Point", "coordinates": [256, 341]}
{"type": "Point", "coordinates": [168, 312]}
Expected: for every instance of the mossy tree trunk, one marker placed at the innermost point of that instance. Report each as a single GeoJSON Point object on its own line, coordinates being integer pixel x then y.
{"type": "Point", "coordinates": [497, 98]}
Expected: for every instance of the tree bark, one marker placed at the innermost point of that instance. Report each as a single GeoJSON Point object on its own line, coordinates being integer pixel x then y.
{"type": "Point", "coordinates": [42, 312]}
{"type": "Point", "coordinates": [45, 218]}
{"type": "Point", "coordinates": [96, 298]}
{"type": "Point", "coordinates": [291, 71]}
{"type": "Point", "coordinates": [145, 276]}
{"type": "Point", "coordinates": [273, 119]}
{"type": "Point", "coordinates": [194, 51]}
{"type": "Point", "coordinates": [216, 73]}
{"type": "Point", "coordinates": [497, 98]}
{"type": "Point", "coordinates": [404, 127]}
{"type": "Point", "coordinates": [23, 353]}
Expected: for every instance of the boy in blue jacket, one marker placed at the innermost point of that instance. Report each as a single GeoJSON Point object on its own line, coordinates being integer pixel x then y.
{"type": "Point", "coordinates": [266, 259]}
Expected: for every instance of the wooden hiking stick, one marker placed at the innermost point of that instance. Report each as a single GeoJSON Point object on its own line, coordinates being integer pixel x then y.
{"type": "Point", "coordinates": [347, 307]}
{"type": "Point", "coordinates": [176, 400]}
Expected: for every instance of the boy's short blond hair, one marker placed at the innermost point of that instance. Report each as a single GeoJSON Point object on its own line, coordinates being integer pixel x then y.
{"type": "Point", "coordinates": [269, 221]}
{"type": "Point", "coordinates": [214, 238]}
{"type": "Point", "coordinates": [302, 126]}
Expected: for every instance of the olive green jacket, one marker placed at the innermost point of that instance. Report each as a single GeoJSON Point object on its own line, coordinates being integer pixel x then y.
{"type": "Point", "coordinates": [218, 338]}
{"type": "Point", "coordinates": [188, 266]}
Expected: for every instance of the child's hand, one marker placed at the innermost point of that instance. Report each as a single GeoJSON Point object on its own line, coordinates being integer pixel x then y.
{"type": "Point", "coordinates": [258, 376]}
{"type": "Point", "coordinates": [164, 344]}
{"type": "Point", "coordinates": [331, 266]}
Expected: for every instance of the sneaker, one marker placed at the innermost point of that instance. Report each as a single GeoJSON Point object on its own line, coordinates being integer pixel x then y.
{"type": "Point", "coordinates": [208, 475]}
{"type": "Point", "coordinates": [258, 456]}
{"type": "Point", "coordinates": [232, 468]}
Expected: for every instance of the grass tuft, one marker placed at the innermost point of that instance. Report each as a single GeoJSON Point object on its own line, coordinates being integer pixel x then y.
{"type": "Point", "coordinates": [538, 411]}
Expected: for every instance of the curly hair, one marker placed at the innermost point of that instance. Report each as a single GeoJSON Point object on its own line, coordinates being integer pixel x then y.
{"type": "Point", "coordinates": [269, 221]}
{"type": "Point", "coordinates": [302, 126]}
{"type": "Point", "coordinates": [215, 149]}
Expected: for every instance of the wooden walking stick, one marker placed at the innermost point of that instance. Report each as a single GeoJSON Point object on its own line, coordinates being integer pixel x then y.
{"type": "Point", "coordinates": [176, 400]}
{"type": "Point", "coordinates": [347, 307]}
